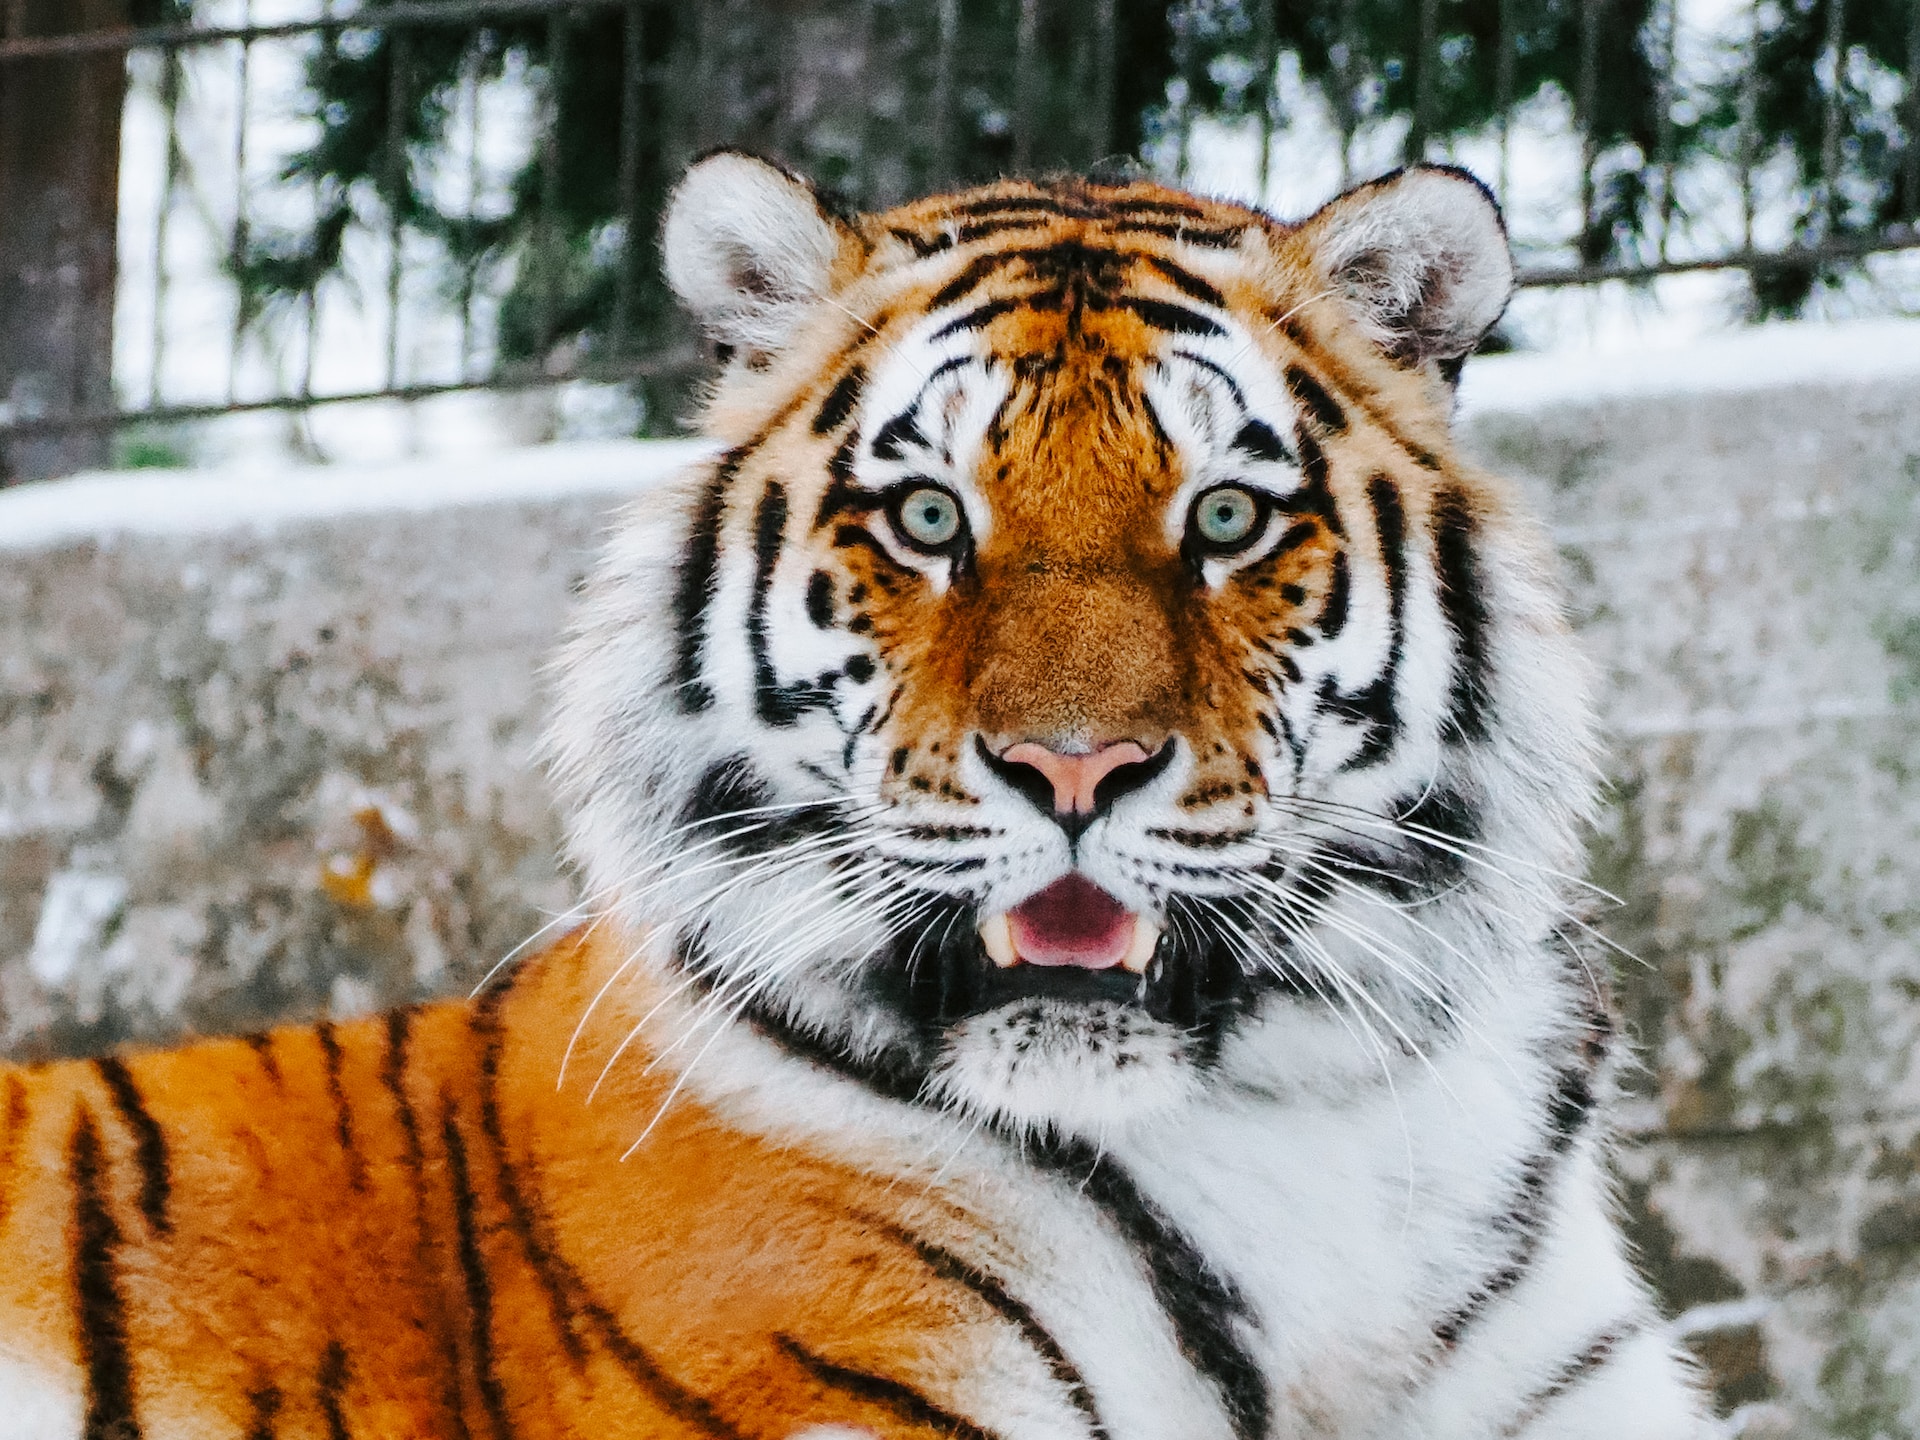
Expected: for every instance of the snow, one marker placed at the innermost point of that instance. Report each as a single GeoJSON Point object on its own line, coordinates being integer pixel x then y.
{"type": "Point", "coordinates": [259, 497]}
{"type": "Point", "coordinates": [1761, 358]}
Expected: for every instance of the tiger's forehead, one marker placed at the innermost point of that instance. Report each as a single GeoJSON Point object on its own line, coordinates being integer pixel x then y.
{"type": "Point", "coordinates": [1023, 211]}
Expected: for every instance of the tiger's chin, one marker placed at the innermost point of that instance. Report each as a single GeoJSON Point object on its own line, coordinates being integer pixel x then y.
{"type": "Point", "coordinates": [1056, 1066]}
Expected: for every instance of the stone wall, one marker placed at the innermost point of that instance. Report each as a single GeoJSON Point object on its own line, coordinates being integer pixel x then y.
{"type": "Point", "coordinates": [277, 764]}
{"type": "Point", "coordinates": [1746, 567]}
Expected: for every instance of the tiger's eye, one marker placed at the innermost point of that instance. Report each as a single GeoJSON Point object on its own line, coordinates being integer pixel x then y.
{"type": "Point", "coordinates": [929, 517]}
{"type": "Point", "coordinates": [1226, 515]}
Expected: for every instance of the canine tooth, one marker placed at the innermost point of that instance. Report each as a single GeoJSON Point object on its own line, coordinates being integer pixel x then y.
{"type": "Point", "coordinates": [1146, 935]}
{"type": "Point", "coordinates": [996, 933]}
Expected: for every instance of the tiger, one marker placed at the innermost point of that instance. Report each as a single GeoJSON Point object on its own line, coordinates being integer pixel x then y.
{"type": "Point", "coordinates": [1076, 807]}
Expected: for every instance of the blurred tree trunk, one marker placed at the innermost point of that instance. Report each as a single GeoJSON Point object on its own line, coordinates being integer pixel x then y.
{"type": "Point", "coordinates": [59, 191]}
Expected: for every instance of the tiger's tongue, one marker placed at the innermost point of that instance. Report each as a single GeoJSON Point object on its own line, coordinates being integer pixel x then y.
{"type": "Point", "coordinates": [1072, 922]}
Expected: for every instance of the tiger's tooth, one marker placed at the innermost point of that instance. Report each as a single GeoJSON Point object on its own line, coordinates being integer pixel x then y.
{"type": "Point", "coordinates": [996, 933]}
{"type": "Point", "coordinates": [1139, 954]}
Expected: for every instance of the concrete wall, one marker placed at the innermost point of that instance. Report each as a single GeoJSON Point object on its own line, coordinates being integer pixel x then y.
{"type": "Point", "coordinates": [277, 765]}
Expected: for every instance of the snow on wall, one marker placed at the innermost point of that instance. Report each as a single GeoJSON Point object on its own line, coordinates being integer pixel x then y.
{"type": "Point", "coordinates": [264, 753]}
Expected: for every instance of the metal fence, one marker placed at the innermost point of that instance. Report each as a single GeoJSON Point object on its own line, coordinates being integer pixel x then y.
{"type": "Point", "coordinates": [191, 315]}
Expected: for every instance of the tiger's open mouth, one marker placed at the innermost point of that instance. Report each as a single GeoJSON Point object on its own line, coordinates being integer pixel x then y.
{"type": "Point", "coordinates": [1072, 923]}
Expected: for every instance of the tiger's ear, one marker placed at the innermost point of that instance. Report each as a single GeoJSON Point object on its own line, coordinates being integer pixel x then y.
{"type": "Point", "coordinates": [1421, 258]}
{"type": "Point", "coordinates": [747, 247]}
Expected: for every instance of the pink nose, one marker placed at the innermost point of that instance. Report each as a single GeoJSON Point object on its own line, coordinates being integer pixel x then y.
{"type": "Point", "coordinates": [1074, 777]}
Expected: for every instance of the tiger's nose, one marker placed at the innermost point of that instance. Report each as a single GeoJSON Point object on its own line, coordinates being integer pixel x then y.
{"type": "Point", "coordinates": [1075, 778]}
{"type": "Point", "coordinates": [1076, 789]}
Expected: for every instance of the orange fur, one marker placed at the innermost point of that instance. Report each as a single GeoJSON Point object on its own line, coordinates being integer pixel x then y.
{"type": "Point", "coordinates": [294, 1251]}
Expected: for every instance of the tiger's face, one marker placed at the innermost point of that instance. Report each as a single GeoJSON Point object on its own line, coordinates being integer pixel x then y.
{"type": "Point", "coordinates": [1086, 676]}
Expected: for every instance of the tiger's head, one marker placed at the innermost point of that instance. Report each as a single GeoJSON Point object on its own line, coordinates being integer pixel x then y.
{"type": "Point", "coordinates": [1086, 676]}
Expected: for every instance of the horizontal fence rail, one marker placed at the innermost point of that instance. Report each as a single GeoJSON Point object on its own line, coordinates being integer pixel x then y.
{"type": "Point", "coordinates": [322, 204]}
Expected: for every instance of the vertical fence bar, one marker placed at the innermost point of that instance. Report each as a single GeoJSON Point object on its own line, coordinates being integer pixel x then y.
{"type": "Point", "coordinates": [548, 239]}
{"type": "Point", "coordinates": [399, 45]}
{"type": "Point", "coordinates": [1428, 61]}
{"type": "Point", "coordinates": [632, 79]}
{"type": "Point", "coordinates": [1026, 84]}
{"type": "Point", "coordinates": [1105, 43]}
{"type": "Point", "coordinates": [169, 185]}
{"type": "Point", "coordinates": [945, 58]}
{"type": "Point", "coordinates": [473, 63]}
{"type": "Point", "coordinates": [1266, 56]}
{"type": "Point", "coordinates": [871, 67]}
{"type": "Point", "coordinates": [1749, 122]}
{"type": "Point", "coordinates": [1585, 103]}
{"type": "Point", "coordinates": [1503, 81]}
{"type": "Point", "coordinates": [1913, 112]}
{"type": "Point", "coordinates": [1346, 109]}
{"type": "Point", "coordinates": [329, 47]}
{"type": "Point", "coordinates": [237, 241]}
{"type": "Point", "coordinates": [1664, 97]}
{"type": "Point", "coordinates": [1836, 49]}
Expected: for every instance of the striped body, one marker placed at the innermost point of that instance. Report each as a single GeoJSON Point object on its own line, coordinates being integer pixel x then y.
{"type": "Point", "coordinates": [1283, 1117]}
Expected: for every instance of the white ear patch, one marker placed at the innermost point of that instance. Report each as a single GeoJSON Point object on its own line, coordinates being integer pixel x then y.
{"type": "Point", "coordinates": [1422, 257]}
{"type": "Point", "coordinates": [747, 246]}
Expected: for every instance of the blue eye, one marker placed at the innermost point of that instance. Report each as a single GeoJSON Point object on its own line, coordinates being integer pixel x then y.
{"type": "Point", "coordinates": [928, 517]}
{"type": "Point", "coordinates": [1226, 517]}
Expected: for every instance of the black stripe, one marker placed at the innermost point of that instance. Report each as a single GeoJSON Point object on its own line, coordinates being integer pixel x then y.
{"type": "Point", "coordinates": [1376, 706]}
{"type": "Point", "coordinates": [906, 1403]}
{"type": "Point", "coordinates": [840, 401]}
{"type": "Point", "coordinates": [262, 1045]}
{"type": "Point", "coordinates": [950, 1267]}
{"type": "Point", "coordinates": [265, 1404]}
{"type": "Point", "coordinates": [16, 1132]}
{"type": "Point", "coordinates": [1333, 613]}
{"type": "Point", "coordinates": [970, 276]}
{"type": "Point", "coordinates": [776, 704]}
{"type": "Point", "coordinates": [693, 587]}
{"type": "Point", "coordinates": [149, 1142]}
{"type": "Point", "coordinates": [567, 1292]}
{"type": "Point", "coordinates": [985, 229]}
{"type": "Point", "coordinates": [1131, 206]}
{"type": "Point", "coordinates": [902, 429]}
{"type": "Point", "coordinates": [1315, 495]}
{"type": "Point", "coordinates": [1315, 400]}
{"type": "Point", "coordinates": [473, 1271]}
{"type": "Point", "coordinates": [1258, 439]}
{"type": "Point", "coordinates": [1569, 1106]}
{"type": "Point", "coordinates": [547, 1267]}
{"type": "Point", "coordinates": [393, 1075]}
{"type": "Point", "coordinates": [1204, 1307]}
{"type": "Point", "coordinates": [994, 204]}
{"type": "Point", "coordinates": [330, 1387]}
{"type": "Point", "coordinates": [979, 317]}
{"type": "Point", "coordinates": [921, 245]}
{"type": "Point", "coordinates": [820, 600]}
{"type": "Point", "coordinates": [1164, 315]}
{"type": "Point", "coordinates": [889, 1073]}
{"type": "Point", "coordinates": [1214, 237]}
{"type": "Point", "coordinates": [1463, 599]}
{"type": "Point", "coordinates": [1185, 281]}
{"type": "Point", "coordinates": [104, 1352]}
{"type": "Point", "coordinates": [342, 1112]}
{"type": "Point", "coordinates": [1591, 1359]}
